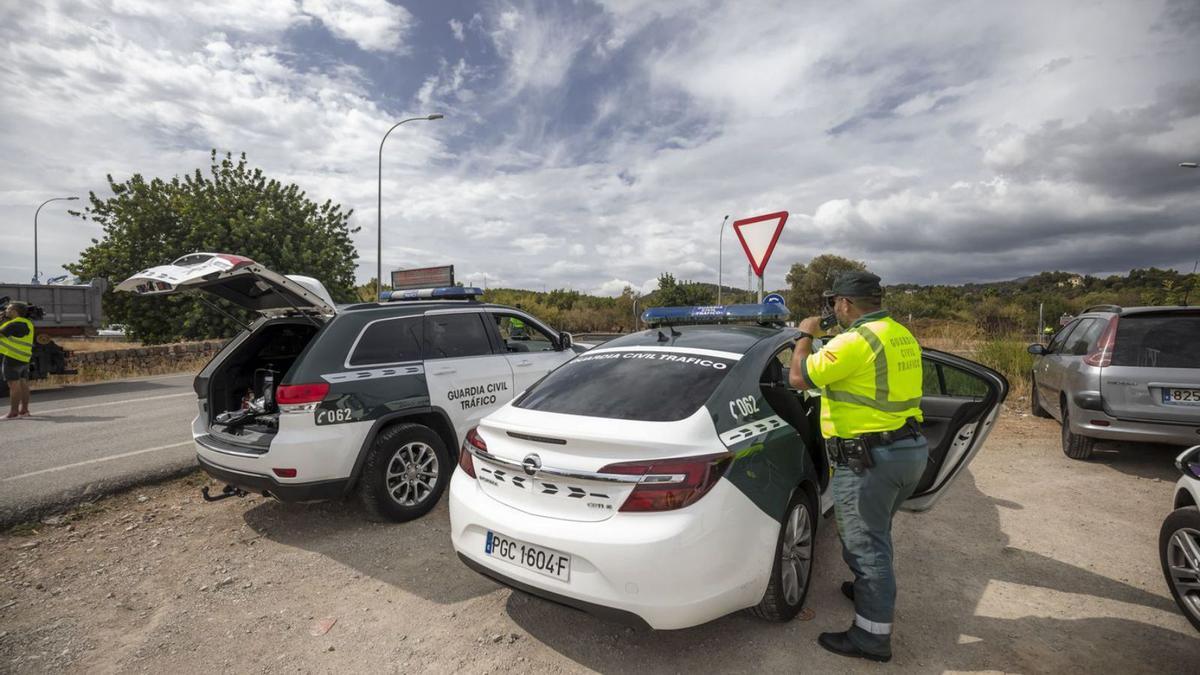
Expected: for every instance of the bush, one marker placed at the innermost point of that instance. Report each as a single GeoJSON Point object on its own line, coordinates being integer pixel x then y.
{"type": "Point", "coordinates": [1011, 359]}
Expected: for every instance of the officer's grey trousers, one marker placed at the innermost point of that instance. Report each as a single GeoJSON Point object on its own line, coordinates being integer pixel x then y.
{"type": "Point", "coordinates": [865, 504]}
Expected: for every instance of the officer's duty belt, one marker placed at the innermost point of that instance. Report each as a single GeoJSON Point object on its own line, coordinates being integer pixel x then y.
{"type": "Point", "coordinates": [840, 448]}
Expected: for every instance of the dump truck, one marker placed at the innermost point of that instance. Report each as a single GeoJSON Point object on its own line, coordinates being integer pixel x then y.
{"type": "Point", "coordinates": [57, 310]}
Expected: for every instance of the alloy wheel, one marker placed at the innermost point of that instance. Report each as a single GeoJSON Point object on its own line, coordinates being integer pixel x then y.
{"type": "Point", "coordinates": [411, 474]}
{"type": "Point", "coordinates": [1183, 558]}
{"type": "Point", "coordinates": [796, 554]}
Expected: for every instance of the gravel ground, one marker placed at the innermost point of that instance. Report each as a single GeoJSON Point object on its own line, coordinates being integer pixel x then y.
{"type": "Point", "coordinates": [1033, 563]}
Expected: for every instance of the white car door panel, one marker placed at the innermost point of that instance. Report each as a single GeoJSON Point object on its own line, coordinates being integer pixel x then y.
{"type": "Point", "coordinates": [532, 349]}
{"type": "Point", "coordinates": [465, 378]}
{"type": "Point", "coordinates": [960, 404]}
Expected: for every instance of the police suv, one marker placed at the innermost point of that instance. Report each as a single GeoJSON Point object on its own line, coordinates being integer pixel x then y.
{"type": "Point", "coordinates": [314, 401]}
{"type": "Point", "coordinates": [671, 476]}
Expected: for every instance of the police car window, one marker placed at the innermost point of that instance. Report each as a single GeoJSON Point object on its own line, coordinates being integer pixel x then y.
{"type": "Point", "coordinates": [521, 335]}
{"type": "Point", "coordinates": [449, 336]}
{"type": "Point", "coordinates": [942, 380]}
{"type": "Point", "coordinates": [649, 386]}
{"type": "Point", "coordinates": [388, 341]}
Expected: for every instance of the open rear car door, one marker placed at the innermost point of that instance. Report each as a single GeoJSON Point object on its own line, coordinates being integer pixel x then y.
{"type": "Point", "coordinates": [960, 401]}
{"type": "Point", "coordinates": [237, 279]}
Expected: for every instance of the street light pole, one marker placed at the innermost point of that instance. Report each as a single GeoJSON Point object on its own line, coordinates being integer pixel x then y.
{"type": "Point", "coordinates": [36, 272]}
{"type": "Point", "coordinates": [379, 206]}
{"type": "Point", "coordinates": [720, 252]}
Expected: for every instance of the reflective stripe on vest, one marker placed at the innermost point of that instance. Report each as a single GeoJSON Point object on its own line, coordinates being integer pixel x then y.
{"type": "Point", "coordinates": [20, 348]}
{"type": "Point", "coordinates": [894, 383]}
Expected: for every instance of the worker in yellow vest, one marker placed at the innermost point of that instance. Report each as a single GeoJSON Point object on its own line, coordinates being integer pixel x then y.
{"type": "Point", "coordinates": [16, 351]}
{"type": "Point", "coordinates": [870, 382]}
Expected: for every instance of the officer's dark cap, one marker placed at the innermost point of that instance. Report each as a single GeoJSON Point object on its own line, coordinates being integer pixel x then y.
{"type": "Point", "coordinates": [856, 285]}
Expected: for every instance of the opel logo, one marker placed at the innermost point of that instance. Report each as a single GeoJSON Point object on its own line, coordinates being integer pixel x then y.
{"type": "Point", "coordinates": [531, 463]}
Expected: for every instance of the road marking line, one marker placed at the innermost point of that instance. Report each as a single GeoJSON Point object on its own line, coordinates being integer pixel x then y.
{"type": "Point", "coordinates": [128, 400]}
{"type": "Point", "coordinates": [96, 461]}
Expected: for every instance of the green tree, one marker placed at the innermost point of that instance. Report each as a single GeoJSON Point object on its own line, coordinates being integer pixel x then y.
{"type": "Point", "coordinates": [672, 293]}
{"type": "Point", "coordinates": [232, 209]}
{"type": "Point", "coordinates": [806, 283]}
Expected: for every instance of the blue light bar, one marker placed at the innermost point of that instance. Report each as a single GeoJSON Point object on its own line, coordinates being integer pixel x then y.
{"type": "Point", "coordinates": [446, 293]}
{"type": "Point", "coordinates": [768, 312]}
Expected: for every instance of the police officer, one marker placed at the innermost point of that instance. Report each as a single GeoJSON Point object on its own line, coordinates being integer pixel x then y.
{"type": "Point", "coordinates": [870, 381]}
{"type": "Point", "coordinates": [16, 351]}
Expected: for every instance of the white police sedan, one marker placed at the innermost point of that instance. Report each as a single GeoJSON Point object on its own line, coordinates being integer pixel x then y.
{"type": "Point", "coordinates": [671, 476]}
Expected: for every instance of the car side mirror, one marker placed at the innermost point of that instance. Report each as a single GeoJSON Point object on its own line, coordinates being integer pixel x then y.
{"type": "Point", "coordinates": [1188, 461]}
{"type": "Point", "coordinates": [565, 341]}
{"type": "Point", "coordinates": [1037, 349]}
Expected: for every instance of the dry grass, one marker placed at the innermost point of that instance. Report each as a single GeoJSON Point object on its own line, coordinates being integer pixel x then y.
{"type": "Point", "coordinates": [955, 337]}
{"type": "Point", "coordinates": [94, 344]}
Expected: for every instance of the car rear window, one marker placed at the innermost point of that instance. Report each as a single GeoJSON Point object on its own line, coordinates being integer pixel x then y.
{"type": "Point", "coordinates": [645, 386]}
{"type": "Point", "coordinates": [389, 341]}
{"type": "Point", "coordinates": [1158, 341]}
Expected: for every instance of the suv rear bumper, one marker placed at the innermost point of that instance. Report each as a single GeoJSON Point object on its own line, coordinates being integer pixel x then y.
{"type": "Point", "coordinates": [284, 492]}
{"type": "Point", "coordinates": [1083, 422]}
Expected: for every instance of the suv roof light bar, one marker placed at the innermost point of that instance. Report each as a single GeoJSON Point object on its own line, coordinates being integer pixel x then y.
{"type": "Point", "coordinates": [445, 293]}
{"type": "Point", "coordinates": [1102, 308]}
{"type": "Point", "coordinates": [765, 313]}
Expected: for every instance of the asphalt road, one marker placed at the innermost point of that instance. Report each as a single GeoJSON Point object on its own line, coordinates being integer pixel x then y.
{"type": "Point", "coordinates": [93, 438]}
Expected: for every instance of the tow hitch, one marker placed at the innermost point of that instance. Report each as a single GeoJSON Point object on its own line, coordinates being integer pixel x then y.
{"type": "Point", "coordinates": [227, 492]}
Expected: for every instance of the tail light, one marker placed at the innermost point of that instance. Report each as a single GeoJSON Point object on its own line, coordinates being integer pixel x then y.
{"type": "Point", "coordinates": [473, 440]}
{"type": "Point", "coordinates": [670, 484]}
{"type": "Point", "coordinates": [1101, 355]}
{"type": "Point", "coordinates": [297, 394]}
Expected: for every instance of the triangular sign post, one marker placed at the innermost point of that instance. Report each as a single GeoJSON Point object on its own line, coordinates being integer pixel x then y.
{"type": "Point", "coordinates": [759, 236]}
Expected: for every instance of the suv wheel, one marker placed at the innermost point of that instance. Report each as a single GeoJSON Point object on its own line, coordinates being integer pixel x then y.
{"type": "Point", "coordinates": [1179, 551]}
{"type": "Point", "coordinates": [1035, 406]}
{"type": "Point", "coordinates": [1074, 445]}
{"type": "Point", "coordinates": [792, 571]}
{"type": "Point", "coordinates": [407, 469]}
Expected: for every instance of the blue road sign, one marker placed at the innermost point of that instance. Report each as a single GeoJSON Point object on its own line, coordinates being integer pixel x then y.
{"type": "Point", "coordinates": [775, 298]}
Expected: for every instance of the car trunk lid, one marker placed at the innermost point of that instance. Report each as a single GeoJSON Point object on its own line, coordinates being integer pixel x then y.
{"type": "Point", "coordinates": [237, 279]}
{"type": "Point", "coordinates": [1154, 363]}
{"type": "Point", "coordinates": [548, 464]}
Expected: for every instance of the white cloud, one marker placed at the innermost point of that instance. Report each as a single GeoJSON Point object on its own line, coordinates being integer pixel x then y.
{"type": "Point", "coordinates": [456, 28]}
{"type": "Point", "coordinates": [374, 25]}
{"type": "Point", "coordinates": [613, 287]}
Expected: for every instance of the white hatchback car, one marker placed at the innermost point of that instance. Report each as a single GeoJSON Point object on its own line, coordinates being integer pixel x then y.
{"type": "Point", "coordinates": [1179, 538]}
{"type": "Point", "coordinates": [670, 477]}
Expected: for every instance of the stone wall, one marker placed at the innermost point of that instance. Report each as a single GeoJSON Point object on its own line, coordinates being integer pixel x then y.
{"type": "Point", "coordinates": [152, 358]}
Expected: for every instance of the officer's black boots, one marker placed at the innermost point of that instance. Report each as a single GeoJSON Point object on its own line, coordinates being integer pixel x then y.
{"type": "Point", "coordinates": [840, 644]}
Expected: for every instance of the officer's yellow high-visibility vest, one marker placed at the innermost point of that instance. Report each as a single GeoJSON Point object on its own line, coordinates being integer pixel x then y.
{"type": "Point", "coordinates": [870, 378]}
{"type": "Point", "coordinates": [20, 348]}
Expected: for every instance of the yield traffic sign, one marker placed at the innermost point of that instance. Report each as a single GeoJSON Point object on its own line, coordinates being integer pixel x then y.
{"type": "Point", "coordinates": [759, 236]}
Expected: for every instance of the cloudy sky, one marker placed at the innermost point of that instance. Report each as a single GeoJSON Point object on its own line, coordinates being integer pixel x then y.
{"type": "Point", "coordinates": [594, 144]}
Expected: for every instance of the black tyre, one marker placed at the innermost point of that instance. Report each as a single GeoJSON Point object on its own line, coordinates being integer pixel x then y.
{"type": "Point", "coordinates": [1074, 445]}
{"type": "Point", "coordinates": [1035, 406]}
{"type": "Point", "coordinates": [406, 471]}
{"type": "Point", "coordinates": [792, 572]}
{"type": "Point", "coordinates": [1179, 552]}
